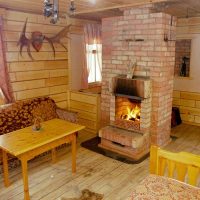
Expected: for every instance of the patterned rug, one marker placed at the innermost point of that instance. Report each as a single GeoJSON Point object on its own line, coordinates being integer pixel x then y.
{"type": "Point", "coordinates": [92, 144]}
{"type": "Point", "coordinates": [87, 195]}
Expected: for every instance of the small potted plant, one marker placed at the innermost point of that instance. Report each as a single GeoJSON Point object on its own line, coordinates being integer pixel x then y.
{"type": "Point", "coordinates": [37, 124]}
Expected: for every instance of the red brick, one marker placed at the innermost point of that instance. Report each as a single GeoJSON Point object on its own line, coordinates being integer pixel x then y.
{"type": "Point", "coordinates": [154, 57]}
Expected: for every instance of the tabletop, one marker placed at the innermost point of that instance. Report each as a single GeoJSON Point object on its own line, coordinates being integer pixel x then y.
{"type": "Point", "coordinates": [23, 140]}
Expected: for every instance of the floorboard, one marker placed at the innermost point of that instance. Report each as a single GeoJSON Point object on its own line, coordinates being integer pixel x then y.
{"type": "Point", "coordinates": [96, 172]}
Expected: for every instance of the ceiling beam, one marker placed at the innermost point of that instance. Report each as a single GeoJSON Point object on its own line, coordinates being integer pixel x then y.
{"type": "Point", "coordinates": [144, 2]}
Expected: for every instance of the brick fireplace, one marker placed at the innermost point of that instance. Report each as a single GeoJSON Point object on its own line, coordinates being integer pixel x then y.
{"type": "Point", "coordinates": [130, 117]}
{"type": "Point", "coordinates": [139, 36]}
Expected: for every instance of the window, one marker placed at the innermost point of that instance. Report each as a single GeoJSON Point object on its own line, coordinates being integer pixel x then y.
{"type": "Point", "coordinates": [94, 62]}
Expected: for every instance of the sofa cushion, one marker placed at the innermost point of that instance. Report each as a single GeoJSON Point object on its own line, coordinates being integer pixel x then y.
{"type": "Point", "coordinates": [67, 115]}
{"type": "Point", "coordinates": [22, 113]}
{"type": "Point", "coordinates": [44, 108]}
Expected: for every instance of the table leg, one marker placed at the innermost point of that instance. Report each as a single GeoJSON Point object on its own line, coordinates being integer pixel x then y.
{"type": "Point", "coordinates": [5, 168]}
{"type": "Point", "coordinates": [53, 155]}
{"type": "Point", "coordinates": [74, 153]}
{"type": "Point", "coordinates": [25, 179]}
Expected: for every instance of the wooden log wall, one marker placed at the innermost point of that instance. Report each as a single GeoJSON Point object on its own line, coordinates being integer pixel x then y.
{"type": "Point", "coordinates": [87, 104]}
{"type": "Point", "coordinates": [187, 27]}
{"type": "Point", "coordinates": [189, 105]}
{"type": "Point", "coordinates": [45, 75]}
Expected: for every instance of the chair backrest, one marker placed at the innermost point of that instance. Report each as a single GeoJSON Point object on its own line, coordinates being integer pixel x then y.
{"type": "Point", "coordinates": [182, 166]}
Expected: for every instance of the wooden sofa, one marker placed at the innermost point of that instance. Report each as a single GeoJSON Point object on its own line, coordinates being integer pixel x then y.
{"type": "Point", "coordinates": [22, 114]}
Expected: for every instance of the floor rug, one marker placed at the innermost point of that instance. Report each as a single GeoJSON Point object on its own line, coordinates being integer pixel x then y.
{"type": "Point", "coordinates": [92, 144]}
{"type": "Point", "coordinates": [87, 195]}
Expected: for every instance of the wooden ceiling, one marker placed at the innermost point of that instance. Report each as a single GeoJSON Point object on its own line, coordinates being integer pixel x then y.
{"type": "Point", "coordinates": [97, 9]}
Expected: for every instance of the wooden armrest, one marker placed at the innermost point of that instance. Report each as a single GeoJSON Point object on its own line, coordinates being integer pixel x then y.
{"type": "Point", "coordinates": [67, 115]}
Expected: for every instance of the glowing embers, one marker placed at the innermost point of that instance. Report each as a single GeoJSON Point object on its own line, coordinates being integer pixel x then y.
{"type": "Point", "coordinates": [132, 114]}
{"type": "Point", "coordinates": [127, 113]}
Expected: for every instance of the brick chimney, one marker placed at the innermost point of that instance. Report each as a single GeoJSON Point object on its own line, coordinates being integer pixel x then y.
{"type": "Point", "coordinates": [139, 35]}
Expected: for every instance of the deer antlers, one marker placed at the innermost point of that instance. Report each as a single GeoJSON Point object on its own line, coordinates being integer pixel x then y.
{"type": "Point", "coordinates": [24, 41]}
{"type": "Point", "coordinates": [57, 37]}
{"type": "Point", "coordinates": [37, 39]}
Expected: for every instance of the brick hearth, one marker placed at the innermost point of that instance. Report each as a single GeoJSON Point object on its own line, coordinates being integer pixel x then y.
{"type": "Point", "coordinates": [132, 144]}
{"type": "Point", "coordinates": [155, 59]}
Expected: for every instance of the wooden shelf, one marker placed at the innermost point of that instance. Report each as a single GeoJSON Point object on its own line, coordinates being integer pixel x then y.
{"type": "Point", "coordinates": [183, 78]}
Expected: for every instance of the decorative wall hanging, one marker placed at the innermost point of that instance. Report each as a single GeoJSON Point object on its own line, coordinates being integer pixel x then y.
{"type": "Point", "coordinates": [37, 39]}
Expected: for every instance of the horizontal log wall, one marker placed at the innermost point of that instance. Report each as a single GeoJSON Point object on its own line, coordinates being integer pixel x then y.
{"type": "Point", "coordinates": [45, 75]}
{"type": "Point", "coordinates": [88, 107]}
{"type": "Point", "coordinates": [189, 105]}
{"type": "Point", "coordinates": [187, 28]}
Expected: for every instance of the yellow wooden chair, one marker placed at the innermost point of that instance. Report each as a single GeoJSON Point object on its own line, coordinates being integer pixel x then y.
{"type": "Point", "coordinates": [182, 166]}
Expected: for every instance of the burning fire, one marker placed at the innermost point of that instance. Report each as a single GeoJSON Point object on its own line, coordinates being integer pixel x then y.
{"type": "Point", "coordinates": [132, 114]}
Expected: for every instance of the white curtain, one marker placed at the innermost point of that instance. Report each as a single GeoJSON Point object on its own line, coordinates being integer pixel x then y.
{"type": "Point", "coordinates": [94, 62]}
{"type": "Point", "coordinates": [93, 54]}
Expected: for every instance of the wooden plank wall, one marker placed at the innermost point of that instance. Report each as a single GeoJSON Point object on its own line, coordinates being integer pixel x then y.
{"type": "Point", "coordinates": [46, 75]}
{"type": "Point", "coordinates": [189, 105]}
{"type": "Point", "coordinates": [187, 27]}
{"type": "Point", "coordinates": [88, 107]}
{"type": "Point", "coordinates": [188, 102]}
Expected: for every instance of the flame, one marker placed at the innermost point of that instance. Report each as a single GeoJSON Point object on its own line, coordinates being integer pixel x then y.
{"type": "Point", "coordinates": [133, 113]}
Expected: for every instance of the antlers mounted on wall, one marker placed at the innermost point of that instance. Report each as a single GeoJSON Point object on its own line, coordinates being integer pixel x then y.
{"type": "Point", "coordinates": [37, 39]}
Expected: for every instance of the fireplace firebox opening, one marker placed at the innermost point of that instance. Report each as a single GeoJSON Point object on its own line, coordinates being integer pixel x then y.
{"type": "Point", "coordinates": [127, 113]}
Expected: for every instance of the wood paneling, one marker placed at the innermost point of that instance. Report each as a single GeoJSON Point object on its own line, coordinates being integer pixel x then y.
{"type": "Point", "coordinates": [46, 75]}
{"type": "Point", "coordinates": [88, 107]}
{"type": "Point", "coordinates": [43, 75]}
{"type": "Point", "coordinates": [97, 9]}
{"type": "Point", "coordinates": [36, 6]}
{"type": "Point", "coordinates": [187, 28]}
{"type": "Point", "coordinates": [189, 105]}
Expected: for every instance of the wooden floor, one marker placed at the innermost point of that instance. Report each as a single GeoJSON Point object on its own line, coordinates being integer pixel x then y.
{"type": "Point", "coordinates": [104, 175]}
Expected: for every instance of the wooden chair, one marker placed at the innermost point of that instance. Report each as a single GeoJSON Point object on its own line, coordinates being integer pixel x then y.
{"type": "Point", "coordinates": [182, 166]}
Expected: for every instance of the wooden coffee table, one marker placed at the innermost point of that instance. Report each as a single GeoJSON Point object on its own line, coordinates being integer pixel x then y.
{"type": "Point", "coordinates": [25, 144]}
